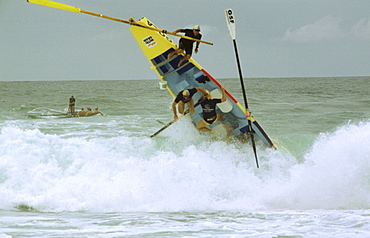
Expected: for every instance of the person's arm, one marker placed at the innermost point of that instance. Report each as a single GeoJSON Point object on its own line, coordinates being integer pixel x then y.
{"type": "Point", "coordinates": [175, 117]}
{"type": "Point", "coordinates": [223, 99]}
{"type": "Point", "coordinates": [201, 90]}
{"type": "Point", "coordinates": [201, 98]}
{"type": "Point", "coordinates": [197, 47]}
{"type": "Point", "coordinates": [177, 31]}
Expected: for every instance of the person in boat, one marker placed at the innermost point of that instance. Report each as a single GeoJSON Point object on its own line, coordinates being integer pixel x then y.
{"type": "Point", "coordinates": [209, 111]}
{"type": "Point", "coordinates": [81, 113]}
{"type": "Point", "coordinates": [71, 104]}
{"type": "Point", "coordinates": [187, 45]}
{"type": "Point", "coordinates": [185, 97]}
{"type": "Point", "coordinates": [88, 112]}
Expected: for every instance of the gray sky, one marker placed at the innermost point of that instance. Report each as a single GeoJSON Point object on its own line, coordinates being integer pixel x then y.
{"type": "Point", "coordinates": [275, 38]}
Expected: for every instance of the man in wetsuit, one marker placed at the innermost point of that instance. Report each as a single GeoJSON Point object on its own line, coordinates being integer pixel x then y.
{"type": "Point", "coordinates": [71, 104]}
{"type": "Point", "coordinates": [187, 45]}
{"type": "Point", "coordinates": [185, 96]}
{"type": "Point", "coordinates": [209, 111]}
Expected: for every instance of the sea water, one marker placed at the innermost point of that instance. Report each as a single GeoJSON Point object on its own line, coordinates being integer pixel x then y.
{"type": "Point", "coordinates": [103, 176]}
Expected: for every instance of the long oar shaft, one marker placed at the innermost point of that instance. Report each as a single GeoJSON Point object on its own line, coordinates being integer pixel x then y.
{"type": "Point", "coordinates": [65, 7]}
{"type": "Point", "coordinates": [162, 129]}
{"type": "Point", "coordinates": [240, 75]}
{"type": "Point", "coordinates": [104, 16]}
{"type": "Point", "coordinates": [230, 20]}
{"type": "Point", "coordinates": [170, 123]}
{"type": "Point", "coordinates": [245, 102]}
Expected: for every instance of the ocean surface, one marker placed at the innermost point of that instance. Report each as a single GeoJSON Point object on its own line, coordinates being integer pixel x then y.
{"type": "Point", "coordinates": [103, 176]}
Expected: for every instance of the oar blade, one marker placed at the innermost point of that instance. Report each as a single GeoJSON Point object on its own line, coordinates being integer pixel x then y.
{"type": "Point", "coordinates": [230, 20]}
{"type": "Point", "coordinates": [57, 5]}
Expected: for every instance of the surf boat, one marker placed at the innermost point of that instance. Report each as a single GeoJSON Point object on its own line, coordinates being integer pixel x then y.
{"type": "Point", "coordinates": [58, 115]}
{"type": "Point", "coordinates": [156, 46]}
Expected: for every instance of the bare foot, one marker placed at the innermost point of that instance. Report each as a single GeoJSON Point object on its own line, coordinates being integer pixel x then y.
{"type": "Point", "coordinates": [169, 56]}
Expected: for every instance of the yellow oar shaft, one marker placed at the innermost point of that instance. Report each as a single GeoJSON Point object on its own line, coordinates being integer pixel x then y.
{"type": "Point", "coordinates": [78, 10]}
{"type": "Point", "coordinates": [138, 24]}
{"type": "Point", "coordinates": [170, 33]}
{"type": "Point", "coordinates": [103, 16]}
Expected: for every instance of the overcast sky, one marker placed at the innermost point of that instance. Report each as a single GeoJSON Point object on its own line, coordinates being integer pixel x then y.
{"type": "Point", "coordinates": [275, 38]}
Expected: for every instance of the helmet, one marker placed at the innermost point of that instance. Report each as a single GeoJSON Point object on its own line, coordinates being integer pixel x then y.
{"type": "Point", "coordinates": [185, 93]}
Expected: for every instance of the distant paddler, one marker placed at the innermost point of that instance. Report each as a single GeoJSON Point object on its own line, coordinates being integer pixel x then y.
{"type": "Point", "coordinates": [88, 112]}
{"type": "Point", "coordinates": [71, 104]}
{"type": "Point", "coordinates": [185, 97]}
{"type": "Point", "coordinates": [81, 113]}
{"type": "Point", "coordinates": [187, 45]}
{"type": "Point", "coordinates": [97, 111]}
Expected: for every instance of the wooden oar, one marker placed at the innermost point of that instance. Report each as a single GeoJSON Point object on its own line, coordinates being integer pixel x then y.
{"type": "Point", "coordinates": [230, 20]}
{"type": "Point", "coordinates": [170, 123]}
{"type": "Point", "coordinates": [65, 7]}
{"type": "Point", "coordinates": [161, 122]}
{"type": "Point", "coordinates": [163, 128]}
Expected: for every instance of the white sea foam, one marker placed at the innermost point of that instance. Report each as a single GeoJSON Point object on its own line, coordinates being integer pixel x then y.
{"type": "Point", "coordinates": [180, 171]}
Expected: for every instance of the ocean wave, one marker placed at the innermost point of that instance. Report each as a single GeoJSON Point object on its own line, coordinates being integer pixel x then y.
{"type": "Point", "coordinates": [131, 172]}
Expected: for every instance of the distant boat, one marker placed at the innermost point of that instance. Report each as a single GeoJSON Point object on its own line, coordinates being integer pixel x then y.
{"type": "Point", "coordinates": [156, 45]}
{"type": "Point", "coordinates": [59, 115]}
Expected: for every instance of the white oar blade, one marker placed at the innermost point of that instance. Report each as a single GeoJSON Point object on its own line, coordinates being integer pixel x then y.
{"type": "Point", "coordinates": [230, 20]}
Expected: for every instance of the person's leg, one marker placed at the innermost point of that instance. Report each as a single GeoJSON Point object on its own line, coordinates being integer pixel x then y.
{"type": "Point", "coordinates": [191, 106]}
{"type": "Point", "coordinates": [186, 57]}
{"type": "Point", "coordinates": [180, 107]}
{"type": "Point", "coordinates": [177, 51]}
{"type": "Point", "coordinates": [202, 127]}
{"type": "Point", "coordinates": [228, 131]}
{"type": "Point", "coordinates": [227, 127]}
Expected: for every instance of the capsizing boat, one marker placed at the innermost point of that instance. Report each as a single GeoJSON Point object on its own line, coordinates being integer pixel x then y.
{"type": "Point", "coordinates": [156, 46]}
